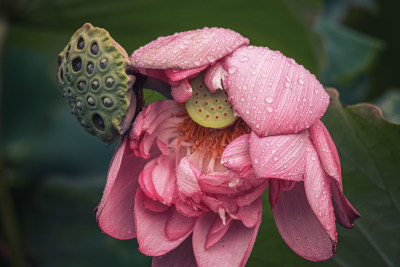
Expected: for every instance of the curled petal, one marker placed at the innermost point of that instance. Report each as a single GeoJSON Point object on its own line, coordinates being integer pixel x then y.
{"type": "Point", "coordinates": [249, 214]}
{"type": "Point", "coordinates": [150, 229]}
{"type": "Point", "coordinates": [317, 186]}
{"type": "Point", "coordinates": [115, 213]}
{"type": "Point", "coordinates": [345, 213]}
{"type": "Point", "coordinates": [279, 156]}
{"type": "Point", "coordinates": [178, 225]}
{"type": "Point", "coordinates": [236, 155]}
{"type": "Point", "coordinates": [188, 50]}
{"type": "Point", "coordinates": [247, 199]}
{"type": "Point", "coordinates": [187, 180]}
{"type": "Point", "coordinates": [326, 150]}
{"type": "Point", "coordinates": [181, 91]}
{"type": "Point", "coordinates": [263, 81]}
{"type": "Point", "coordinates": [177, 75]}
{"type": "Point", "coordinates": [233, 249]}
{"type": "Point", "coordinates": [163, 178]}
{"type": "Point", "coordinates": [181, 256]}
{"type": "Point", "coordinates": [214, 76]}
{"type": "Point", "coordinates": [217, 231]}
{"type": "Point", "coordinates": [300, 228]}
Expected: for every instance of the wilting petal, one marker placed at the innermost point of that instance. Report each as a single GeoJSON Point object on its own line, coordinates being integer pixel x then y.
{"type": "Point", "coordinates": [249, 214]}
{"type": "Point", "coordinates": [177, 75]}
{"type": "Point", "coordinates": [178, 225]}
{"type": "Point", "coordinates": [326, 150]}
{"type": "Point", "coordinates": [150, 229]}
{"type": "Point", "coordinates": [187, 180]}
{"type": "Point", "coordinates": [115, 213]}
{"type": "Point", "coordinates": [163, 178]}
{"type": "Point", "coordinates": [317, 186]}
{"type": "Point", "coordinates": [263, 81]}
{"type": "Point", "coordinates": [181, 256]}
{"type": "Point", "coordinates": [233, 249]}
{"type": "Point", "coordinates": [236, 155]}
{"type": "Point", "coordinates": [181, 91]}
{"type": "Point", "coordinates": [279, 156]}
{"type": "Point", "coordinates": [217, 231]}
{"type": "Point", "coordinates": [214, 76]}
{"type": "Point", "coordinates": [344, 211]}
{"type": "Point", "coordinates": [300, 228]}
{"type": "Point", "coordinates": [188, 50]}
{"type": "Point", "coordinates": [252, 195]}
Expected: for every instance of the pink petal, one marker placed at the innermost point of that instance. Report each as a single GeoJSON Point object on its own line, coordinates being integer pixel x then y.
{"type": "Point", "coordinates": [181, 91]}
{"type": "Point", "coordinates": [236, 155]}
{"type": "Point", "coordinates": [249, 214]}
{"type": "Point", "coordinates": [178, 225]}
{"type": "Point", "coordinates": [247, 199]}
{"type": "Point", "coordinates": [214, 76]}
{"type": "Point", "coordinates": [326, 150]}
{"type": "Point", "coordinates": [317, 186]}
{"type": "Point", "coordinates": [217, 231]}
{"type": "Point", "coordinates": [185, 207]}
{"type": "Point", "coordinates": [188, 50]}
{"type": "Point", "coordinates": [187, 180]}
{"type": "Point", "coordinates": [261, 81]}
{"type": "Point", "coordinates": [300, 228]}
{"type": "Point", "coordinates": [163, 178]}
{"type": "Point", "coordinates": [154, 205]}
{"type": "Point", "coordinates": [146, 179]}
{"type": "Point", "coordinates": [181, 256]}
{"type": "Point", "coordinates": [177, 75]}
{"type": "Point", "coordinates": [344, 211]}
{"type": "Point", "coordinates": [233, 249]}
{"type": "Point", "coordinates": [150, 229]}
{"type": "Point", "coordinates": [274, 192]}
{"type": "Point", "coordinates": [279, 156]}
{"type": "Point", "coordinates": [115, 213]}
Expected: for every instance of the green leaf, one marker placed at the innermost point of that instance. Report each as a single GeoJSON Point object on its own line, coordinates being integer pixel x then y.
{"type": "Point", "coordinates": [369, 148]}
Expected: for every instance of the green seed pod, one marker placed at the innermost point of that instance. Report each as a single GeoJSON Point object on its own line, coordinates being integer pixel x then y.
{"type": "Point", "coordinates": [92, 72]}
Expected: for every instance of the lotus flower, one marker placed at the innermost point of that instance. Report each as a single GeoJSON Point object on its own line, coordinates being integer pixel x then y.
{"type": "Point", "coordinates": [187, 179]}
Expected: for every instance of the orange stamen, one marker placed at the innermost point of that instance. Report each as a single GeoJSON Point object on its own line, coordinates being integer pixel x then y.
{"type": "Point", "coordinates": [209, 140]}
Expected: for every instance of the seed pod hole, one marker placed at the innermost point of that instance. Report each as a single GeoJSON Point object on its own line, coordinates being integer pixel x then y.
{"type": "Point", "coordinates": [98, 122]}
{"type": "Point", "coordinates": [81, 85]}
{"type": "Point", "coordinates": [107, 102]}
{"type": "Point", "coordinates": [77, 64]}
{"type": "Point", "coordinates": [95, 84]}
{"type": "Point", "coordinates": [104, 63]}
{"type": "Point", "coordinates": [81, 43]}
{"type": "Point", "coordinates": [110, 82]}
{"type": "Point", "coordinates": [90, 67]}
{"type": "Point", "coordinates": [94, 49]}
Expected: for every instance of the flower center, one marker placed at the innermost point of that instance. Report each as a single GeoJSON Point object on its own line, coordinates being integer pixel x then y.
{"type": "Point", "coordinates": [209, 122]}
{"type": "Point", "coordinates": [211, 110]}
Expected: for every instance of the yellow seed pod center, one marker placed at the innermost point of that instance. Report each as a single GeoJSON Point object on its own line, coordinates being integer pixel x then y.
{"type": "Point", "coordinates": [211, 110]}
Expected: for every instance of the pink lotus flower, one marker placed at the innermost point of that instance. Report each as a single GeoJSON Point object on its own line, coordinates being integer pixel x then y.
{"type": "Point", "coordinates": [187, 180]}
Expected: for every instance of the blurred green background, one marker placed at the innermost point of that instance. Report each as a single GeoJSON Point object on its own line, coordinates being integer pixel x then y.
{"type": "Point", "coordinates": [53, 173]}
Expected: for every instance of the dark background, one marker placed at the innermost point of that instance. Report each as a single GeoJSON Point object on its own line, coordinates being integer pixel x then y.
{"type": "Point", "coordinates": [53, 172]}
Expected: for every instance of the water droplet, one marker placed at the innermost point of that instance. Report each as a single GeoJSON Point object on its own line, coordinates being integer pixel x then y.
{"type": "Point", "coordinates": [244, 59]}
{"type": "Point", "coordinates": [232, 70]}
{"type": "Point", "coordinates": [316, 91]}
{"type": "Point", "coordinates": [256, 160]}
{"type": "Point", "coordinates": [300, 81]}
{"type": "Point", "coordinates": [269, 109]}
{"type": "Point", "coordinates": [276, 158]}
{"type": "Point", "coordinates": [269, 99]}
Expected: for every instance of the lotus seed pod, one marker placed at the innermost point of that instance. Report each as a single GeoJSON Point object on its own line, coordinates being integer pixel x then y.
{"type": "Point", "coordinates": [92, 72]}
